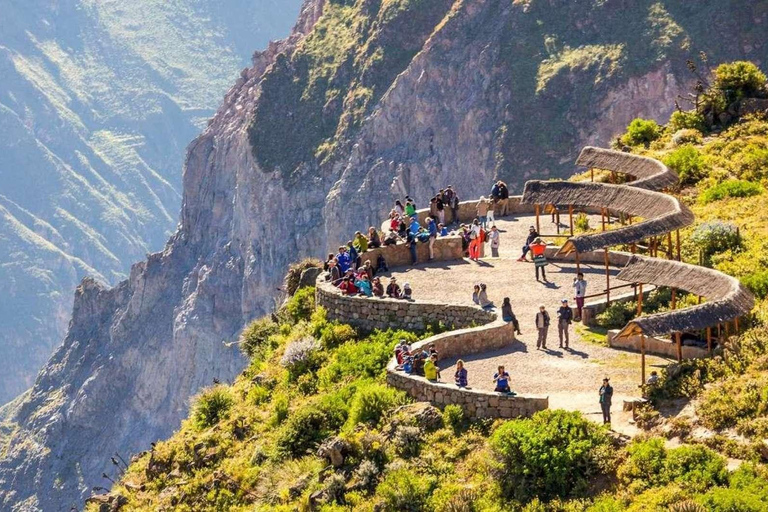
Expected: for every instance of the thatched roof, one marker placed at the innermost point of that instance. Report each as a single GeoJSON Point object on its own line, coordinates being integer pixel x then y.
{"type": "Point", "coordinates": [726, 298]}
{"type": "Point", "coordinates": [648, 172]}
{"type": "Point", "coordinates": [662, 213]}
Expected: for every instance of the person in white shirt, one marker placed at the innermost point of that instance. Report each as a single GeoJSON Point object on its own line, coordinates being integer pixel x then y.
{"type": "Point", "coordinates": [580, 291]}
{"type": "Point", "coordinates": [493, 237]}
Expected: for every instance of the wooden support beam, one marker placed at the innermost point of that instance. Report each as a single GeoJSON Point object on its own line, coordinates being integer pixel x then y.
{"type": "Point", "coordinates": [607, 277]}
{"type": "Point", "coordinates": [736, 326]}
{"type": "Point", "coordinates": [640, 300]}
{"type": "Point", "coordinates": [642, 361]}
{"type": "Point", "coordinates": [679, 341]}
{"type": "Point", "coordinates": [538, 224]}
{"type": "Point", "coordinates": [670, 253]}
{"type": "Point", "coordinates": [709, 340]}
{"type": "Point", "coordinates": [592, 174]}
{"type": "Point", "coordinates": [570, 217]}
{"type": "Point", "coordinates": [677, 243]}
{"type": "Point", "coordinates": [602, 217]}
{"type": "Point", "coordinates": [673, 304]}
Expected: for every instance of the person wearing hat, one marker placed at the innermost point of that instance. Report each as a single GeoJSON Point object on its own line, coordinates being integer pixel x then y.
{"type": "Point", "coordinates": [407, 292]}
{"type": "Point", "coordinates": [564, 318]}
{"type": "Point", "coordinates": [539, 260]}
{"type": "Point", "coordinates": [542, 325]}
{"type": "Point", "coordinates": [532, 235]}
{"type": "Point", "coordinates": [606, 394]}
{"type": "Point", "coordinates": [393, 289]}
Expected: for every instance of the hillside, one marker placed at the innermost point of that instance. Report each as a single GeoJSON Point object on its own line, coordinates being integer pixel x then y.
{"type": "Point", "coordinates": [312, 425]}
{"type": "Point", "coordinates": [454, 104]}
{"type": "Point", "coordinates": [98, 102]}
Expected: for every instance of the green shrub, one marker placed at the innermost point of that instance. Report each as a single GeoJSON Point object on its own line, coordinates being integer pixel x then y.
{"type": "Point", "coordinates": [301, 356]}
{"type": "Point", "coordinates": [335, 334]}
{"type": "Point", "coordinates": [751, 162]}
{"type": "Point", "coordinates": [256, 335]}
{"type": "Point", "coordinates": [372, 401]}
{"type": "Point", "coordinates": [301, 305]}
{"type": "Point", "coordinates": [404, 490]}
{"type": "Point", "coordinates": [738, 398]}
{"type": "Point", "coordinates": [293, 277]}
{"type": "Point", "coordinates": [686, 136]}
{"type": "Point", "coordinates": [279, 409]}
{"type": "Point", "coordinates": [730, 188]}
{"type": "Point", "coordinates": [304, 430]}
{"type": "Point", "coordinates": [364, 359]}
{"type": "Point", "coordinates": [212, 406]}
{"type": "Point", "coordinates": [581, 223]}
{"type": "Point", "coordinates": [722, 499]}
{"type": "Point", "coordinates": [616, 315]}
{"type": "Point", "coordinates": [686, 120]}
{"type": "Point", "coordinates": [739, 79]}
{"type": "Point", "coordinates": [715, 237]}
{"type": "Point", "coordinates": [453, 417]}
{"type": "Point", "coordinates": [550, 455]}
{"type": "Point", "coordinates": [688, 163]}
{"type": "Point", "coordinates": [407, 441]}
{"type": "Point", "coordinates": [641, 131]}
{"type": "Point", "coordinates": [644, 466]}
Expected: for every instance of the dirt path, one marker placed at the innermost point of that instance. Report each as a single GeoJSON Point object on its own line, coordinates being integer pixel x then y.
{"type": "Point", "coordinates": [570, 378]}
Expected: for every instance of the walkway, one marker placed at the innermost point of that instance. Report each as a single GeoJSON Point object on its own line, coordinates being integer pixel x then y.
{"type": "Point", "coordinates": [569, 378]}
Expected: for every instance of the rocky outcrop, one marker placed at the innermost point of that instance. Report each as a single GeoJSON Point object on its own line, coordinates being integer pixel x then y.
{"type": "Point", "coordinates": [497, 89]}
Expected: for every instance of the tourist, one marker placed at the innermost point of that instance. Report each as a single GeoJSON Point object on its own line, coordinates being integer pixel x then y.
{"type": "Point", "coordinates": [432, 228]}
{"type": "Point", "coordinates": [354, 258]}
{"type": "Point", "coordinates": [493, 237]}
{"type": "Point", "coordinates": [399, 208]}
{"type": "Point", "coordinates": [410, 208]}
{"type": "Point", "coordinates": [542, 325]}
{"type": "Point", "coordinates": [538, 247]}
{"type": "Point", "coordinates": [482, 298]}
{"type": "Point", "coordinates": [364, 285]}
{"type": "Point", "coordinates": [495, 191]}
{"type": "Point", "coordinates": [501, 378]}
{"type": "Point", "coordinates": [465, 240]}
{"type": "Point", "coordinates": [474, 244]}
{"type": "Point", "coordinates": [653, 379]}
{"type": "Point", "coordinates": [432, 350]}
{"type": "Point", "coordinates": [374, 241]}
{"type": "Point", "coordinates": [366, 269]}
{"type": "Point", "coordinates": [454, 204]}
{"type": "Point", "coordinates": [532, 235]}
{"type": "Point", "coordinates": [378, 288]}
{"type": "Point", "coordinates": [431, 371]}
{"type": "Point", "coordinates": [360, 243]}
{"type": "Point", "coordinates": [460, 377]}
{"type": "Point", "coordinates": [476, 294]}
{"type": "Point", "coordinates": [440, 207]}
{"type": "Point", "coordinates": [580, 291]}
{"type": "Point", "coordinates": [343, 260]}
{"type": "Point", "coordinates": [442, 230]}
{"type": "Point", "coordinates": [393, 289]}
{"type": "Point", "coordinates": [508, 315]}
{"type": "Point", "coordinates": [392, 238]}
{"type": "Point", "coordinates": [334, 275]}
{"type": "Point", "coordinates": [503, 200]}
{"type": "Point", "coordinates": [348, 287]}
{"type": "Point", "coordinates": [414, 227]}
{"type": "Point", "coordinates": [407, 292]}
{"type": "Point", "coordinates": [433, 207]}
{"type": "Point", "coordinates": [327, 262]}
{"type": "Point", "coordinates": [606, 394]}
{"type": "Point", "coordinates": [411, 241]}
{"type": "Point", "coordinates": [564, 317]}
{"type": "Point", "coordinates": [482, 211]}
{"type": "Point", "coordinates": [381, 264]}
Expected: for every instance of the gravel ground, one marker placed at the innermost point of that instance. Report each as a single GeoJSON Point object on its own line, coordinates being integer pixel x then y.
{"type": "Point", "coordinates": [570, 378]}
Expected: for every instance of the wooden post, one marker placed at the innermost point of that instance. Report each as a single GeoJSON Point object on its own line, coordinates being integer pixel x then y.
{"type": "Point", "coordinates": [727, 330]}
{"type": "Point", "coordinates": [570, 217]}
{"type": "Point", "coordinates": [557, 219]}
{"type": "Point", "coordinates": [607, 278]}
{"type": "Point", "coordinates": [640, 300]}
{"type": "Point", "coordinates": [670, 253]}
{"type": "Point", "coordinates": [602, 217]}
{"type": "Point", "coordinates": [677, 243]}
{"type": "Point", "coordinates": [642, 360]}
{"type": "Point", "coordinates": [673, 305]}
{"type": "Point", "coordinates": [592, 174]}
{"type": "Point", "coordinates": [678, 339]}
{"type": "Point", "coordinates": [736, 326]}
{"type": "Point", "coordinates": [709, 340]}
{"type": "Point", "coordinates": [538, 226]}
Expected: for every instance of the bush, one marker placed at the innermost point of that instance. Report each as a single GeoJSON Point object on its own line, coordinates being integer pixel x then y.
{"type": "Point", "coordinates": [256, 335]}
{"type": "Point", "coordinates": [372, 401]}
{"type": "Point", "coordinates": [305, 430]}
{"type": "Point", "coordinates": [335, 334]}
{"type": "Point", "coordinates": [581, 223]}
{"type": "Point", "coordinates": [301, 305]}
{"type": "Point", "coordinates": [212, 406]}
{"type": "Point", "coordinates": [757, 282]}
{"type": "Point", "coordinates": [715, 237]}
{"type": "Point", "coordinates": [301, 356]}
{"type": "Point", "coordinates": [453, 417]}
{"type": "Point", "coordinates": [550, 455]}
{"type": "Point", "coordinates": [404, 490]}
{"type": "Point", "coordinates": [364, 359]}
{"type": "Point", "coordinates": [407, 441]}
{"type": "Point", "coordinates": [293, 277]}
{"type": "Point", "coordinates": [367, 474]}
{"type": "Point", "coordinates": [686, 120]}
{"type": "Point", "coordinates": [644, 465]}
{"type": "Point", "coordinates": [686, 136]}
{"type": "Point", "coordinates": [616, 315]}
{"type": "Point", "coordinates": [641, 131]}
{"type": "Point", "coordinates": [688, 163]}
{"type": "Point", "coordinates": [740, 79]}
{"type": "Point", "coordinates": [730, 188]}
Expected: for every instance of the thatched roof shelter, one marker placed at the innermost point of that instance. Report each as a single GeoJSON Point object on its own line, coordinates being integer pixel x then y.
{"type": "Point", "coordinates": [726, 298]}
{"type": "Point", "coordinates": [648, 173]}
{"type": "Point", "coordinates": [662, 213]}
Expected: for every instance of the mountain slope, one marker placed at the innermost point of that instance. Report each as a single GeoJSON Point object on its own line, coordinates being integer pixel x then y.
{"type": "Point", "coordinates": [97, 103]}
{"type": "Point", "coordinates": [484, 94]}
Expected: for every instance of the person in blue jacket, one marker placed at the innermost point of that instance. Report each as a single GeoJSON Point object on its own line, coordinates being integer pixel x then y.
{"type": "Point", "coordinates": [354, 258]}
{"type": "Point", "coordinates": [432, 228]}
{"type": "Point", "coordinates": [442, 230]}
{"type": "Point", "coordinates": [364, 285]}
{"type": "Point", "coordinates": [414, 227]}
{"type": "Point", "coordinates": [342, 260]}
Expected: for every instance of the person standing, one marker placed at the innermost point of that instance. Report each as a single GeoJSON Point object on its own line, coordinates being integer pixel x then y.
{"type": "Point", "coordinates": [580, 291]}
{"type": "Point", "coordinates": [532, 235]}
{"type": "Point", "coordinates": [474, 244]}
{"type": "Point", "coordinates": [482, 211]}
{"type": "Point", "coordinates": [542, 325]}
{"type": "Point", "coordinates": [432, 228]}
{"type": "Point", "coordinates": [411, 241]}
{"type": "Point", "coordinates": [503, 199]}
{"type": "Point", "coordinates": [493, 237]}
{"type": "Point", "coordinates": [539, 259]}
{"type": "Point", "coordinates": [460, 376]}
{"type": "Point", "coordinates": [564, 318]}
{"type": "Point", "coordinates": [606, 394]}
{"type": "Point", "coordinates": [454, 204]}
{"type": "Point", "coordinates": [440, 207]}
{"type": "Point", "coordinates": [410, 208]}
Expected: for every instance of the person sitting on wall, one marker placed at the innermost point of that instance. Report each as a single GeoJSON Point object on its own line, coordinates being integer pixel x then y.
{"type": "Point", "coordinates": [354, 258]}
{"type": "Point", "coordinates": [343, 260]}
{"type": "Point", "coordinates": [392, 238]}
{"type": "Point", "coordinates": [412, 241]}
{"type": "Point", "coordinates": [363, 285]}
{"type": "Point", "coordinates": [348, 287]}
{"type": "Point", "coordinates": [431, 371]}
{"type": "Point", "coordinates": [378, 288]}
{"type": "Point", "coordinates": [327, 262]}
{"type": "Point", "coordinates": [360, 243]}
{"type": "Point", "coordinates": [460, 377]}
{"type": "Point", "coordinates": [393, 289]}
{"type": "Point", "coordinates": [410, 208]}
{"type": "Point", "coordinates": [374, 241]}
{"type": "Point", "coordinates": [334, 272]}
{"type": "Point", "coordinates": [465, 239]}
{"type": "Point", "coordinates": [399, 209]}
{"type": "Point", "coordinates": [442, 230]}
{"type": "Point", "coordinates": [508, 315]}
{"type": "Point", "coordinates": [476, 294]}
{"type": "Point", "coordinates": [432, 350]}
{"type": "Point", "coordinates": [532, 235]}
{"type": "Point", "coordinates": [401, 351]}
{"type": "Point", "coordinates": [381, 264]}
{"type": "Point", "coordinates": [482, 298]}
{"type": "Point", "coordinates": [501, 378]}
{"type": "Point", "coordinates": [407, 292]}
{"type": "Point", "coordinates": [418, 363]}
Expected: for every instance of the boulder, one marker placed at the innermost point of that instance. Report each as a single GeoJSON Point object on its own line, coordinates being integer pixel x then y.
{"type": "Point", "coordinates": [333, 449]}
{"type": "Point", "coordinates": [309, 276]}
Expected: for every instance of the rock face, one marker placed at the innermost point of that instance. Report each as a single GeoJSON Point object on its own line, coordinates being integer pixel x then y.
{"type": "Point", "coordinates": [97, 102]}
{"type": "Point", "coordinates": [490, 88]}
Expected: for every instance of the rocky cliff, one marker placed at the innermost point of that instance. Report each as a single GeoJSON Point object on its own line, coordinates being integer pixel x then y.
{"type": "Point", "coordinates": [366, 101]}
{"type": "Point", "coordinates": [98, 101]}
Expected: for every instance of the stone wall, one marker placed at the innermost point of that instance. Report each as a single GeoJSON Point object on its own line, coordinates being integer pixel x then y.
{"type": "Point", "coordinates": [370, 313]}
{"type": "Point", "coordinates": [446, 248]}
{"type": "Point", "coordinates": [657, 346]}
{"type": "Point", "coordinates": [475, 403]}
